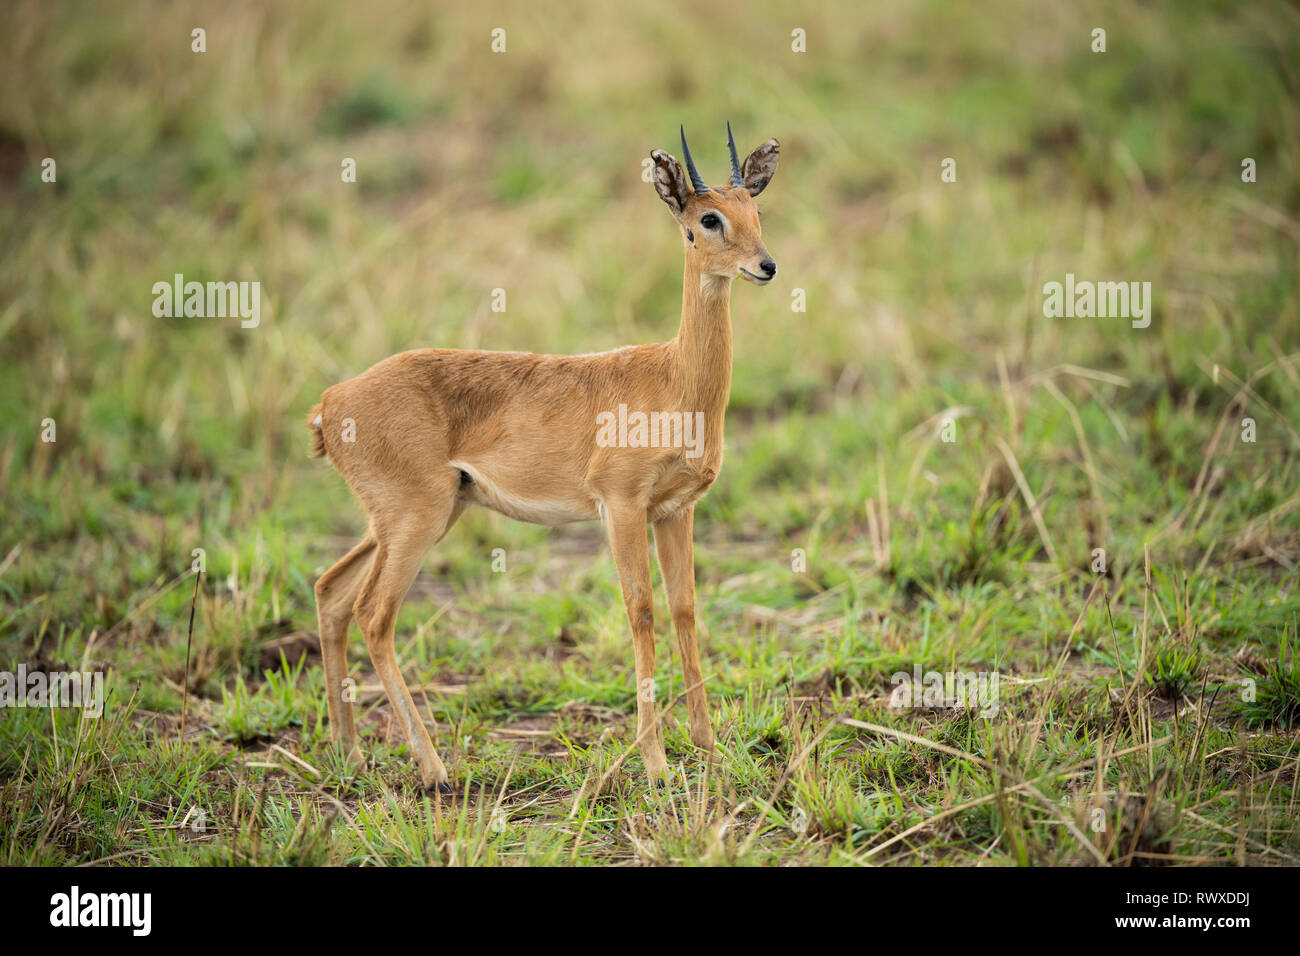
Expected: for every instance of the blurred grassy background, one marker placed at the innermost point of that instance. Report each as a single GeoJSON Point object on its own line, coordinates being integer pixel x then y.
{"type": "Point", "coordinates": [523, 171]}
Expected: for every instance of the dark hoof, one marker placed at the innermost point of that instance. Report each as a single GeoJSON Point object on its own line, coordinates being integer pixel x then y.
{"type": "Point", "coordinates": [444, 788]}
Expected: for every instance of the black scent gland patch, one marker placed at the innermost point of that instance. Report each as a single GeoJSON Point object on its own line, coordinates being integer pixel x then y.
{"type": "Point", "coordinates": [465, 478]}
{"type": "Point", "coordinates": [690, 236]}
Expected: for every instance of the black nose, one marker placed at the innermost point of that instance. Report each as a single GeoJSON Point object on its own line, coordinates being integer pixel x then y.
{"type": "Point", "coordinates": [768, 267]}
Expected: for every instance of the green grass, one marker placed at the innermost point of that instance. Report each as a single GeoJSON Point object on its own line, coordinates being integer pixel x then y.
{"type": "Point", "coordinates": [1148, 711]}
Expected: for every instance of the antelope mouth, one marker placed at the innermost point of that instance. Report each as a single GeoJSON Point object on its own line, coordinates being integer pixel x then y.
{"type": "Point", "coordinates": [757, 280]}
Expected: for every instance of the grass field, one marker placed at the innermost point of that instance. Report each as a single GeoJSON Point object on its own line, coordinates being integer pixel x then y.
{"type": "Point", "coordinates": [1148, 714]}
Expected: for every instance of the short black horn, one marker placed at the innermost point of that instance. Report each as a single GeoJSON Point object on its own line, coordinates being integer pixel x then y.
{"type": "Point", "coordinates": [696, 181]}
{"type": "Point", "coordinates": [737, 179]}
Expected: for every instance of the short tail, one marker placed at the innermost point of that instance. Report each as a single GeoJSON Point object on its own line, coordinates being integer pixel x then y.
{"type": "Point", "coordinates": [314, 420]}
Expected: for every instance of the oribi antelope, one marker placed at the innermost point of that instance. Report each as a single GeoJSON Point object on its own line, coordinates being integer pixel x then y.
{"type": "Point", "coordinates": [424, 434]}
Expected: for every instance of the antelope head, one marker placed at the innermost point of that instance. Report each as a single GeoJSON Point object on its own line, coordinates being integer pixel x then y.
{"type": "Point", "coordinates": [719, 224]}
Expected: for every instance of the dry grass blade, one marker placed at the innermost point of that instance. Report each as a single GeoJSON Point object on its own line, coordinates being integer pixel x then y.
{"type": "Point", "coordinates": [1034, 511]}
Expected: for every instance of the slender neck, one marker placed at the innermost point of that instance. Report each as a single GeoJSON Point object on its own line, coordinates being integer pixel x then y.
{"type": "Point", "coordinates": [704, 339]}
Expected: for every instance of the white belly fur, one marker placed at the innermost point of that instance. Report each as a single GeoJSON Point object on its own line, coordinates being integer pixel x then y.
{"type": "Point", "coordinates": [521, 507]}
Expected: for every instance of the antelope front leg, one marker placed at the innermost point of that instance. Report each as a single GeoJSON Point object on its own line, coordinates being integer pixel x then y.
{"type": "Point", "coordinates": [677, 563]}
{"type": "Point", "coordinates": [627, 538]}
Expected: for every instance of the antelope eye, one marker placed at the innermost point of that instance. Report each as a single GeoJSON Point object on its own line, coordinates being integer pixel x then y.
{"type": "Point", "coordinates": [710, 221]}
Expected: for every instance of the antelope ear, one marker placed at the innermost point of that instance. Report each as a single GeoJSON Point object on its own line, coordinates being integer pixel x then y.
{"type": "Point", "coordinates": [760, 166]}
{"type": "Point", "coordinates": [670, 181]}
